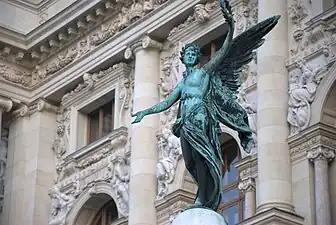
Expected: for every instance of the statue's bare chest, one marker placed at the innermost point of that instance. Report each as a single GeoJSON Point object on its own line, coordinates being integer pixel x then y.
{"type": "Point", "coordinates": [194, 79]}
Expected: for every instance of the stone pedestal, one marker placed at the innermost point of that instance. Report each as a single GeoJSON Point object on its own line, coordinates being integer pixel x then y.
{"type": "Point", "coordinates": [199, 216]}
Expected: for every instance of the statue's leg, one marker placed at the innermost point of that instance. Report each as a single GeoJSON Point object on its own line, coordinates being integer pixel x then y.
{"type": "Point", "coordinates": [201, 171]}
{"type": "Point", "coordinates": [187, 154]}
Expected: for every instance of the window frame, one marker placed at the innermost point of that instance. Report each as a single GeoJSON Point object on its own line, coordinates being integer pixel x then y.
{"type": "Point", "coordinates": [100, 121]}
{"type": "Point", "coordinates": [239, 201]}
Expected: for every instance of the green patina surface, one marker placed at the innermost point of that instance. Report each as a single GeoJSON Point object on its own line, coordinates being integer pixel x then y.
{"type": "Point", "coordinates": [208, 97]}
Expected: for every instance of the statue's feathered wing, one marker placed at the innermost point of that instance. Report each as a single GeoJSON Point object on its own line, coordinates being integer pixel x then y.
{"type": "Point", "coordinates": [241, 52]}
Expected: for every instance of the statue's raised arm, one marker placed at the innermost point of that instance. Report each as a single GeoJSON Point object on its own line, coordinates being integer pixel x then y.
{"type": "Point", "coordinates": [223, 51]}
{"type": "Point", "coordinates": [235, 53]}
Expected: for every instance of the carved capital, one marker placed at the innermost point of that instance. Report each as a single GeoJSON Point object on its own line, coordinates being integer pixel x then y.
{"type": "Point", "coordinates": [5, 104]}
{"type": "Point", "coordinates": [147, 42]}
{"type": "Point", "coordinates": [247, 185]}
{"type": "Point", "coordinates": [321, 153]}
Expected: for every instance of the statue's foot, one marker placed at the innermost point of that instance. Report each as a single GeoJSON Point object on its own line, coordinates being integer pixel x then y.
{"type": "Point", "coordinates": [197, 204]}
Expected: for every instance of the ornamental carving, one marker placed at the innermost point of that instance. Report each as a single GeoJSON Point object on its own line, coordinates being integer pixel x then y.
{"type": "Point", "coordinates": [49, 57]}
{"type": "Point", "coordinates": [120, 183]}
{"type": "Point", "coordinates": [251, 109]}
{"type": "Point", "coordinates": [170, 153]}
{"type": "Point", "coordinates": [89, 166]}
{"type": "Point", "coordinates": [246, 15]}
{"type": "Point", "coordinates": [297, 12]}
{"type": "Point", "coordinates": [321, 153]}
{"type": "Point", "coordinates": [171, 75]}
{"type": "Point", "coordinates": [302, 89]}
{"type": "Point", "coordinates": [247, 185]}
{"type": "Point", "coordinates": [61, 206]}
{"type": "Point", "coordinates": [90, 80]}
{"type": "Point", "coordinates": [125, 95]}
{"type": "Point", "coordinates": [199, 15]}
{"type": "Point", "coordinates": [22, 78]}
{"type": "Point", "coordinates": [61, 143]}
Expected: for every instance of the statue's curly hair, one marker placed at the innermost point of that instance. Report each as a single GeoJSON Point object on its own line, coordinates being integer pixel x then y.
{"type": "Point", "coordinates": [195, 47]}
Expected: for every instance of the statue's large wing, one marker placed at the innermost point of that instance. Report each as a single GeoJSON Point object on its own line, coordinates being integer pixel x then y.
{"type": "Point", "coordinates": [241, 52]}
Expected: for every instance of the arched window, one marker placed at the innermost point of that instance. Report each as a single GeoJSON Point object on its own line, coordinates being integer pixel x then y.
{"type": "Point", "coordinates": [106, 215]}
{"type": "Point", "coordinates": [232, 204]}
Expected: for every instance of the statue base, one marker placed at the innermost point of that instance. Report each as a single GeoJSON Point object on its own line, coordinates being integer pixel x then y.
{"type": "Point", "coordinates": [199, 216]}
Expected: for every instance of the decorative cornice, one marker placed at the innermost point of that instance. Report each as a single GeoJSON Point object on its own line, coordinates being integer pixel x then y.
{"type": "Point", "coordinates": [321, 153]}
{"type": "Point", "coordinates": [318, 135]}
{"type": "Point", "coordinates": [94, 81]}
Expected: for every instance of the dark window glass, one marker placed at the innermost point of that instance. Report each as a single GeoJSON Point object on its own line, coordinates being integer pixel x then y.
{"type": "Point", "coordinates": [100, 122]}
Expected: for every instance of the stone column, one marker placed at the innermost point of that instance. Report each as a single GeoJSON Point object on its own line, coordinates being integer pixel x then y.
{"type": "Point", "coordinates": [248, 187]}
{"type": "Point", "coordinates": [143, 183]}
{"type": "Point", "coordinates": [321, 156]}
{"type": "Point", "coordinates": [274, 166]}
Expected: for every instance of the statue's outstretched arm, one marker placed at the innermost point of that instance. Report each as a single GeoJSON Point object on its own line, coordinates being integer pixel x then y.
{"type": "Point", "coordinates": [160, 107]}
{"type": "Point", "coordinates": [222, 52]}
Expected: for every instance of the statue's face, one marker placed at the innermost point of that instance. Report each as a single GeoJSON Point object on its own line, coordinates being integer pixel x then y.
{"type": "Point", "coordinates": [190, 57]}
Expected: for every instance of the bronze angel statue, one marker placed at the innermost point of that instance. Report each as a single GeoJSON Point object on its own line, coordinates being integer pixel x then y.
{"type": "Point", "coordinates": [207, 97]}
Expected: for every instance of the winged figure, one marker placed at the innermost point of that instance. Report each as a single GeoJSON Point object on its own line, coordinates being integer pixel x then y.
{"type": "Point", "coordinates": [208, 97]}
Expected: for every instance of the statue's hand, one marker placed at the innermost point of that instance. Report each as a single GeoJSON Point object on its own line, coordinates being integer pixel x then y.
{"type": "Point", "coordinates": [227, 11]}
{"type": "Point", "coordinates": [139, 116]}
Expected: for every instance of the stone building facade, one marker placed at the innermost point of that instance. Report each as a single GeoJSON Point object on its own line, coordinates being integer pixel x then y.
{"type": "Point", "coordinates": [71, 73]}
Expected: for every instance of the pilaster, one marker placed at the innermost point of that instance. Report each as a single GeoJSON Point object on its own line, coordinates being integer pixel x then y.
{"type": "Point", "coordinates": [321, 156]}
{"type": "Point", "coordinates": [247, 169]}
{"type": "Point", "coordinates": [30, 164]}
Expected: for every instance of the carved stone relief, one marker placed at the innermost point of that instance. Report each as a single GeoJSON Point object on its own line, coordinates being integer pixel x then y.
{"type": "Point", "coordinates": [61, 143]}
{"type": "Point", "coordinates": [200, 15]}
{"type": "Point", "coordinates": [297, 12]}
{"type": "Point", "coordinates": [246, 15]}
{"type": "Point", "coordinates": [14, 75]}
{"type": "Point", "coordinates": [170, 153]}
{"type": "Point", "coordinates": [61, 206]}
{"type": "Point", "coordinates": [109, 163]}
{"type": "Point", "coordinates": [128, 14]}
{"type": "Point", "coordinates": [125, 96]}
{"type": "Point", "coordinates": [251, 109]}
{"type": "Point", "coordinates": [302, 88]}
{"type": "Point", "coordinates": [90, 80]}
{"type": "Point", "coordinates": [3, 160]}
{"type": "Point", "coordinates": [120, 183]}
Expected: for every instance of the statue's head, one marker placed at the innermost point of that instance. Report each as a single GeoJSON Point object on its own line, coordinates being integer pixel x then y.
{"type": "Point", "coordinates": [190, 54]}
